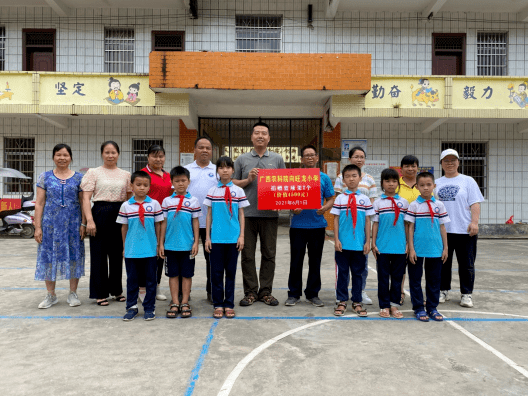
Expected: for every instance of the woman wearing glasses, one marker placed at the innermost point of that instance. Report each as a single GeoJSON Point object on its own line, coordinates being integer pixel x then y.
{"type": "Point", "coordinates": [367, 186]}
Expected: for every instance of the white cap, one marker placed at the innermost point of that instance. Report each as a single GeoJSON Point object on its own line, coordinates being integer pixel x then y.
{"type": "Point", "coordinates": [449, 152]}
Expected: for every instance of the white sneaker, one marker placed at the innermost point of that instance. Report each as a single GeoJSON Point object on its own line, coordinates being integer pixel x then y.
{"type": "Point", "coordinates": [366, 300]}
{"type": "Point", "coordinates": [466, 300]}
{"type": "Point", "coordinates": [141, 295]}
{"type": "Point", "coordinates": [443, 297]}
{"type": "Point", "coordinates": [49, 301]}
{"type": "Point", "coordinates": [73, 299]}
{"type": "Point", "coordinates": [159, 295]}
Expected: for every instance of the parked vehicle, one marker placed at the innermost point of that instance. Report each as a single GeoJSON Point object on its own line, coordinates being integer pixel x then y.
{"type": "Point", "coordinates": [17, 222]}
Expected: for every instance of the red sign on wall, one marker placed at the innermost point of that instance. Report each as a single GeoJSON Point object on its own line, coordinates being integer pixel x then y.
{"type": "Point", "coordinates": [9, 204]}
{"type": "Point", "coordinates": [288, 189]}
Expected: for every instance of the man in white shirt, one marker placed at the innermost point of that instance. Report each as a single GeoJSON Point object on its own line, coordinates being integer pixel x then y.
{"type": "Point", "coordinates": [203, 177]}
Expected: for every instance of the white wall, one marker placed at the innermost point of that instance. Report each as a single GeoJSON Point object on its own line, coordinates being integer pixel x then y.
{"type": "Point", "coordinates": [507, 157]}
{"type": "Point", "coordinates": [399, 42]}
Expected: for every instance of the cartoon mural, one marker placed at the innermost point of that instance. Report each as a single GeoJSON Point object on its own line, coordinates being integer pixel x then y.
{"type": "Point", "coordinates": [132, 95]}
{"type": "Point", "coordinates": [424, 94]}
{"type": "Point", "coordinates": [7, 93]}
{"type": "Point", "coordinates": [520, 97]}
{"type": "Point", "coordinates": [115, 96]}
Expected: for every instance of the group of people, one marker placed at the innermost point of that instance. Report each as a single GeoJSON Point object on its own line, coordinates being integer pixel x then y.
{"type": "Point", "coordinates": [154, 219]}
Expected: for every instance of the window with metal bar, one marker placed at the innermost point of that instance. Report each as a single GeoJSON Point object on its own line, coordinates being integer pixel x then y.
{"type": "Point", "coordinates": [19, 154]}
{"type": "Point", "coordinates": [119, 50]}
{"type": "Point", "coordinates": [139, 151]}
{"type": "Point", "coordinates": [2, 48]}
{"type": "Point", "coordinates": [168, 41]}
{"type": "Point", "coordinates": [472, 161]}
{"type": "Point", "coordinates": [258, 33]}
{"type": "Point", "coordinates": [492, 54]}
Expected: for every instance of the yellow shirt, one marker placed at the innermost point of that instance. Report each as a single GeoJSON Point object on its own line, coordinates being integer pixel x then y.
{"type": "Point", "coordinates": [408, 193]}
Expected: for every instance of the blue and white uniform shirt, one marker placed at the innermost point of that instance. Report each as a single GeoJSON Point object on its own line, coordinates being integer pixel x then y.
{"type": "Point", "coordinates": [140, 241]}
{"type": "Point", "coordinates": [352, 239]}
{"type": "Point", "coordinates": [427, 240]}
{"type": "Point", "coordinates": [391, 239]}
{"type": "Point", "coordinates": [179, 234]}
{"type": "Point", "coordinates": [225, 227]}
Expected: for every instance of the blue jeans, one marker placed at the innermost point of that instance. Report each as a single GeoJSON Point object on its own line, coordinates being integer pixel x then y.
{"type": "Point", "coordinates": [223, 259]}
{"type": "Point", "coordinates": [432, 271]}
{"type": "Point", "coordinates": [365, 272]}
{"type": "Point", "coordinates": [390, 266]}
{"type": "Point", "coordinates": [149, 268]}
{"type": "Point", "coordinates": [346, 261]}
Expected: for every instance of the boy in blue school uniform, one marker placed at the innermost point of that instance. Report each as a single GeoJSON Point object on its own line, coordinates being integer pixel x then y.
{"type": "Point", "coordinates": [140, 218]}
{"type": "Point", "coordinates": [352, 228]}
{"type": "Point", "coordinates": [178, 242]}
{"type": "Point", "coordinates": [427, 242]}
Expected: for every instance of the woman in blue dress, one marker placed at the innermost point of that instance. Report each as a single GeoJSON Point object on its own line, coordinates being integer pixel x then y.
{"type": "Point", "coordinates": [59, 227]}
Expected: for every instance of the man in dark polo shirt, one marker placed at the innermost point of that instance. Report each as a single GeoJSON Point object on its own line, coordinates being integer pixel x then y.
{"type": "Point", "coordinates": [258, 223]}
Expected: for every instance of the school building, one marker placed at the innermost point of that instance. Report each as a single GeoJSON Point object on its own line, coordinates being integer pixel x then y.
{"type": "Point", "coordinates": [396, 77]}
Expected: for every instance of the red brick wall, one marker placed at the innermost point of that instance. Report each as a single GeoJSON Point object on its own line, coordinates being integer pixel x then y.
{"type": "Point", "coordinates": [187, 139]}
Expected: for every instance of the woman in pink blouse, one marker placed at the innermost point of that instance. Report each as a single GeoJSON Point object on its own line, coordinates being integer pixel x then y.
{"type": "Point", "coordinates": [108, 187]}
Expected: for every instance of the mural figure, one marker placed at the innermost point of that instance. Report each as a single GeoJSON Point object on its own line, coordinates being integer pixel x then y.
{"type": "Point", "coordinates": [6, 93]}
{"type": "Point", "coordinates": [115, 96]}
{"type": "Point", "coordinates": [519, 97]}
{"type": "Point", "coordinates": [424, 94]}
{"type": "Point", "coordinates": [132, 95]}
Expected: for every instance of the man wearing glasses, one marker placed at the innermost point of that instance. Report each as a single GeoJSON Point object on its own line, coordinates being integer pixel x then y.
{"type": "Point", "coordinates": [307, 232]}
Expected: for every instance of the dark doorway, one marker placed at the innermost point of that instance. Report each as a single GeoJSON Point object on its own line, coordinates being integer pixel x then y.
{"type": "Point", "coordinates": [231, 137]}
{"type": "Point", "coordinates": [448, 53]}
{"type": "Point", "coordinates": [38, 50]}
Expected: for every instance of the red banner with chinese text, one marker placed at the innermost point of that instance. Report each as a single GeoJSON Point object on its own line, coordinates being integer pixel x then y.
{"type": "Point", "coordinates": [9, 204]}
{"type": "Point", "coordinates": [288, 189]}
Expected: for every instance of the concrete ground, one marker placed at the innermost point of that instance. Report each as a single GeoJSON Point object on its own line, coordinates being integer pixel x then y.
{"type": "Point", "coordinates": [301, 350]}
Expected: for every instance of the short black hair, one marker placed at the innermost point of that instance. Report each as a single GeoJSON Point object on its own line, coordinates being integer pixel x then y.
{"type": "Point", "coordinates": [140, 174]}
{"type": "Point", "coordinates": [409, 160]}
{"type": "Point", "coordinates": [155, 149]}
{"type": "Point", "coordinates": [261, 124]}
{"type": "Point", "coordinates": [525, 85]}
{"type": "Point", "coordinates": [105, 144]}
{"type": "Point", "coordinates": [425, 174]}
{"type": "Point", "coordinates": [351, 167]}
{"type": "Point", "coordinates": [178, 171]}
{"type": "Point", "coordinates": [60, 146]}
{"type": "Point", "coordinates": [308, 147]}
{"type": "Point", "coordinates": [207, 138]}
{"type": "Point", "coordinates": [387, 174]}
{"type": "Point", "coordinates": [225, 161]}
{"type": "Point", "coordinates": [353, 150]}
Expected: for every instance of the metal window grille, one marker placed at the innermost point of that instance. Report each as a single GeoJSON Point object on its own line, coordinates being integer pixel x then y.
{"type": "Point", "coordinates": [258, 33]}
{"type": "Point", "coordinates": [119, 50]}
{"type": "Point", "coordinates": [168, 41]}
{"type": "Point", "coordinates": [472, 161]}
{"type": "Point", "coordinates": [448, 43]}
{"type": "Point", "coordinates": [492, 54]}
{"type": "Point", "coordinates": [19, 154]}
{"type": "Point", "coordinates": [40, 39]}
{"type": "Point", "coordinates": [139, 151]}
{"type": "Point", "coordinates": [2, 48]}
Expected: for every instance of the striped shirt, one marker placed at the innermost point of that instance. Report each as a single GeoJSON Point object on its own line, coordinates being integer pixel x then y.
{"type": "Point", "coordinates": [179, 234]}
{"type": "Point", "coordinates": [391, 239]}
{"type": "Point", "coordinates": [367, 185]}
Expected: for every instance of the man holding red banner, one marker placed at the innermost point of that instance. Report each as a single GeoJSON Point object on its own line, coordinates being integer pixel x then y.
{"type": "Point", "coordinates": [258, 223]}
{"type": "Point", "coordinates": [307, 232]}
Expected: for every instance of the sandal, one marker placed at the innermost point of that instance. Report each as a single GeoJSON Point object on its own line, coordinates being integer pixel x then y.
{"type": "Point", "coordinates": [384, 313]}
{"type": "Point", "coordinates": [248, 300]}
{"type": "Point", "coordinates": [421, 316]}
{"type": "Point", "coordinates": [269, 300]}
{"type": "Point", "coordinates": [185, 310]}
{"type": "Point", "coordinates": [120, 298]}
{"type": "Point", "coordinates": [396, 313]}
{"type": "Point", "coordinates": [103, 302]}
{"type": "Point", "coordinates": [340, 312]}
{"type": "Point", "coordinates": [402, 296]}
{"type": "Point", "coordinates": [435, 315]}
{"type": "Point", "coordinates": [218, 313]}
{"type": "Point", "coordinates": [359, 309]}
{"type": "Point", "coordinates": [173, 313]}
{"type": "Point", "coordinates": [230, 313]}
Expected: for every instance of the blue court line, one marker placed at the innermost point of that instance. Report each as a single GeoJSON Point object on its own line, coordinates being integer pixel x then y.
{"type": "Point", "coordinates": [248, 318]}
{"type": "Point", "coordinates": [200, 361]}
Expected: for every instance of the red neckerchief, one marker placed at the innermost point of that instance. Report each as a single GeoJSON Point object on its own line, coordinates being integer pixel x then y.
{"type": "Point", "coordinates": [395, 208]}
{"type": "Point", "coordinates": [179, 204]}
{"type": "Point", "coordinates": [227, 198]}
{"type": "Point", "coordinates": [351, 203]}
{"type": "Point", "coordinates": [141, 213]}
{"type": "Point", "coordinates": [430, 208]}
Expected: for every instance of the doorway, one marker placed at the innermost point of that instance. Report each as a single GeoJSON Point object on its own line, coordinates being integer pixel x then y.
{"type": "Point", "coordinates": [449, 51]}
{"type": "Point", "coordinates": [38, 50]}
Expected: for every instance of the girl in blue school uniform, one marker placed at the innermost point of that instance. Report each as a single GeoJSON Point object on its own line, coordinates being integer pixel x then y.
{"type": "Point", "coordinates": [224, 236]}
{"type": "Point", "coordinates": [389, 244]}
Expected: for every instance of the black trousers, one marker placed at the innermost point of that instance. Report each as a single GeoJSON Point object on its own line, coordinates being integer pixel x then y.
{"type": "Point", "coordinates": [302, 240]}
{"type": "Point", "coordinates": [106, 251]}
{"type": "Point", "coordinates": [159, 270]}
{"type": "Point", "coordinates": [465, 248]}
{"type": "Point", "coordinates": [202, 233]}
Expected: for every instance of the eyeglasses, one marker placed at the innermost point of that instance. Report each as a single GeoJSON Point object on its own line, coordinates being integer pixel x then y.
{"type": "Point", "coordinates": [309, 156]}
{"type": "Point", "coordinates": [450, 161]}
{"type": "Point", "coordinates": [358, 157]}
